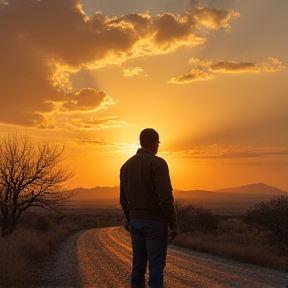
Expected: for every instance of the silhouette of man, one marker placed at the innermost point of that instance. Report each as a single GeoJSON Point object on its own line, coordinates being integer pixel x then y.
{"type": "Point", "coordinates": [147, 201]}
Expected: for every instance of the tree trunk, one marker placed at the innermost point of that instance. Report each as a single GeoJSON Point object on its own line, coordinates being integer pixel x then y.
{"type": "Point", "coordinates": [8, 226]}
{"type": "Point", "coordinates": [5, 228]}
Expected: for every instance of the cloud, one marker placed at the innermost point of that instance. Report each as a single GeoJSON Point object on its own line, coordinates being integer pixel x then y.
{"type": "Point", "coordinates": [170, 29]}
{"type": "Point", "coordinates": [204, 69]}
{"type": "Point", "coordinates": [132, 71]}
{"type": "Point", "coordinates": [273, 65]}
{"type": "Point", "coordinates": [88, 100]}
{"type": "Point", "coordinates": [92, 123]}
{"type": "Point", "coordinates": [233, 154]}
{"type": "Point", "coordinates": [46, 42]}
{"type": "Point", "coordinates": [234, 67]}
{"type": "Point", "coordinates": [117, 147]}
{"type": "Point", "coordinates": [165, 32]}
{"type": "Point", "coordinates": [212, 18]}
{"type": "Point", "coordinates": [91, 143]}
{"type": "Point", "coordinates": [194, 75]}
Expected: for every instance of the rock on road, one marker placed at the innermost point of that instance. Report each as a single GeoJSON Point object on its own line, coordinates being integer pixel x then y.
{"type": "Point", "coordinates": [101, 257]}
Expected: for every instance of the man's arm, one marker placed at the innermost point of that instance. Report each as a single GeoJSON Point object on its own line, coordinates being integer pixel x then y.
{"type": "Point", "coordinates": [173, 232]}
{"type": "Point", "coordinates": [123, 197]}
{"type": "Point", "coordinates": [165, 196]}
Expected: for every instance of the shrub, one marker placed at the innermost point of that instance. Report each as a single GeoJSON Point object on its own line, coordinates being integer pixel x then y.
{"type": "Point", "coordinates": [271, 217]}
{"type": "Point", "coordinates": [42, 224]}
{"type": "Point", "coordinates": [195, 218]}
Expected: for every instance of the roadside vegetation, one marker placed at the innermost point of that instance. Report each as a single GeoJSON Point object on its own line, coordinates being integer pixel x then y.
{"type": "Point", "coordinates": [240, 238]}
{"type": "Point", "coordinates": [38, 233]}
{"type": "Point", "coordinates": [258, 237]}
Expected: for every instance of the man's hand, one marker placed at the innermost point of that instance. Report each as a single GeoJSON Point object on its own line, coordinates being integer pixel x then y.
{"type": "Point", "coordinates": [126, 226]}
{"type": "Point", "coordinates": [172, 232]}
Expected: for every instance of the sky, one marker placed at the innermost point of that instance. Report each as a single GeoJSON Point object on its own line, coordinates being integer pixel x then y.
{"type": "Point", "coordinates": [209, 76]}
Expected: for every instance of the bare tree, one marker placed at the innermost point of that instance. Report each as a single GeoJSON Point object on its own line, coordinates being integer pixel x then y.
{"type": "Point", "coordinates": [30, 175]}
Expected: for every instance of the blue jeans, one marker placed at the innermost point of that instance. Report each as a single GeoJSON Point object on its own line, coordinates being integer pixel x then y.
{"type": "Point", "coordinates": [149, 243]}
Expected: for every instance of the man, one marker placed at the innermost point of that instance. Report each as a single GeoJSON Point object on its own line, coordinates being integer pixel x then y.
{"type": "Point", "coordinates": [147, 201]}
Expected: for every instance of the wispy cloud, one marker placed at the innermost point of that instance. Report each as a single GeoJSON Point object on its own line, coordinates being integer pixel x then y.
{"type": "Point", "coordinates": [271, 65]}
{"type": "Point", "coordinates": [91, 143]}
{"type": "Point", "coordinates": [44, 42]}
{"type": "Point", "coordinates": [231, 154]}
{"type": "Point", "coordinates": [93, 124]}
{"type": "Point", "coordinates": [114, 147]}
{"type": "Point", "coordinates": [132, 71]}
{"type": "Point", "coordinates": [206, 70]}
{"type": "Point", "coordinates": [194, 75]}
{"type": "Point", "coordinates": [86, 122]}
{"type": "Point", "coordinates": [234, 67]}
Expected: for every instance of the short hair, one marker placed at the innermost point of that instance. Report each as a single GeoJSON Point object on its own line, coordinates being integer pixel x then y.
{"type": "Point", "coordinates": [148, 136]}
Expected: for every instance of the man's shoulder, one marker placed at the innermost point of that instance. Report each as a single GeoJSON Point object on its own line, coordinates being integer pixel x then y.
{"type": "Point", "coordinates": [160, 162]}
{"type": "Point", "coordinates": [127, 161]}
{"type": "Point", "coordinates": [151, 157]}
{"type": "Point", "coordinates": [144, 157]}
{"type": "Point", "coordinates": [159, 159]}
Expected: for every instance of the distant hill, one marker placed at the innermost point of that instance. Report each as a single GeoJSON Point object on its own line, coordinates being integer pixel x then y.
{"type": "Point", "coordinates": [258, 188]}
{"type": "Point", "coordinates": [96, 193]}
{"type": "Point", "coordinates": [196, 194]}
{"type": "Point", "coordinates": [227, 201]}
{"type": "Point", "coordinates": [232, 193]}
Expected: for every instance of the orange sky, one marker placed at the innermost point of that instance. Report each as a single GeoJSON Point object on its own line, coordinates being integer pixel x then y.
{"type": "Point", "coordinates": [209, 76]}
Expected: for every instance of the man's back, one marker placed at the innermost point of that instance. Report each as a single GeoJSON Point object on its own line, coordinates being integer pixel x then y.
{"type": "Point", "coordinates": [146, 187]}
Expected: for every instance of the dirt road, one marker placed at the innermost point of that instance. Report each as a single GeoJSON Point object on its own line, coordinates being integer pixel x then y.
{"type": "Point", "coordinates": [102, 258]}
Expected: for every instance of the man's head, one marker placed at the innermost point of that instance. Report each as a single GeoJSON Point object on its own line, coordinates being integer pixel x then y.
{"type": "Point", "coordinates": [149, 139]}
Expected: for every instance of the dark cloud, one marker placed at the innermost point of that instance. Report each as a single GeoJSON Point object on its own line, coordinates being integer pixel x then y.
{"type": "Point", "coordinates": [86, 100]}
{"type": "Point", "coordinates": [169, 29]}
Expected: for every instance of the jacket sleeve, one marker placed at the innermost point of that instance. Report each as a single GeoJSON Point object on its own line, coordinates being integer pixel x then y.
{"type": "Point", "coordinates": [123, 197]}
{"type": "Point", "coordinates": [164, 191]}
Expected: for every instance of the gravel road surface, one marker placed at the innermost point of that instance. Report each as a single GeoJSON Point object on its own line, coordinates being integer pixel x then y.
{"type": "Point", "coordinates": [101, 257]}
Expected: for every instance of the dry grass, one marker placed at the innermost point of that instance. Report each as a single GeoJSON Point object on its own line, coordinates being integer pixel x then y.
{"type": "Point", "coordinates": [20, 252]}
{"type": "Point", "coordinates": [37, 234]}
{"type": "Point", "coordinates": [235, 241]}
{"type": "Point", "coordinates": [13, 262]}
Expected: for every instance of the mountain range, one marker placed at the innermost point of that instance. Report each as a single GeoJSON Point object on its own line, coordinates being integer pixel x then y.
{"type": "Point", "coordinates": [252, 190]}
{"type": "Point", "coordinates": [258, 188]}
{"type": "Point", "coordinates": [226, 201]}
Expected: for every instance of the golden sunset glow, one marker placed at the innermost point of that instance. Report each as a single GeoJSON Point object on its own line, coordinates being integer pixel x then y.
{"type": "Point", "coordinates": [209, 76]}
